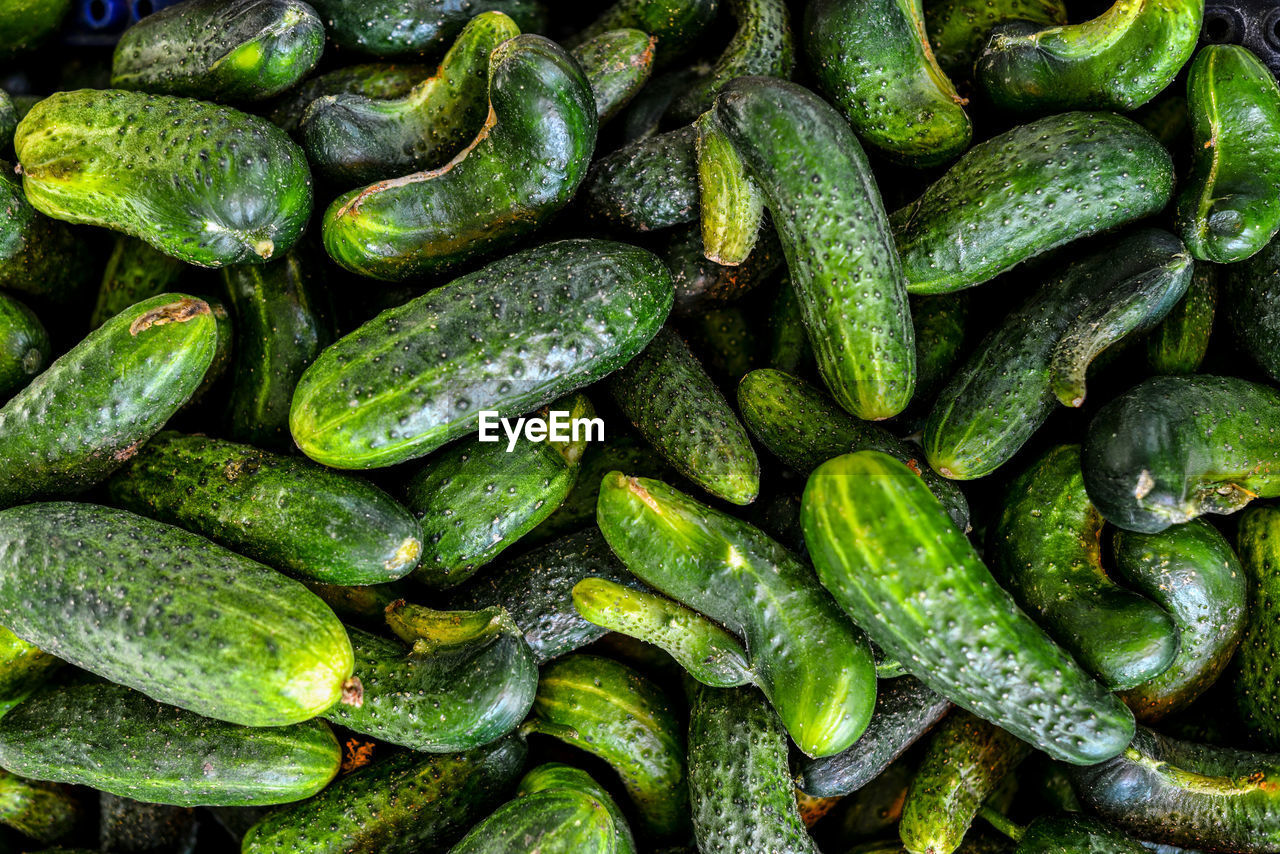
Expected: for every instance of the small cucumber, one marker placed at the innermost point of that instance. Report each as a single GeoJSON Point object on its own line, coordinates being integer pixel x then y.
{"type": "Point", "coordinates": [25, 25]}
{"type": "Point", "coordinates": [1251, 300]}
{"type": "Point", "coordinates": [122, 160]}
{"type": "Point", "coordinates": [1257, 683]}
{"type": "Point", "coordinates": [45, 812]}
{"type": "Point", "coordinates": [1179, 343]}
{"type": "Point", "coordinates": [379, 80]}
{"type": "Point", "coordinates": [1026, 191]}
{"type": "Point", "coordinates": [23, 668]}
{"type": "Point", "coordinates": [117, 740]}
{"type": "Point", "coordinates": [1077, 834]}
{"type": "Point", "coordinates": [617, 64]}
{"type": "Point", "coordinates": [677, 25]}
{"type": "Point", "coordinates": [647, 185]}
{"type": "Point", "coordinates": [958, 29]}
{"type": "Point", "coordinates": [551, 776]}
{"type": "Point", "coordinates": [554, 821]}
{"type": "Point", "coordinates": [134, 272]}
{"type": "Point", "coordinates": [414, 28]}
{"type": "Point", "coordinates": [25, 350]}
{"type": "Point", "coordinates": [39, 256]}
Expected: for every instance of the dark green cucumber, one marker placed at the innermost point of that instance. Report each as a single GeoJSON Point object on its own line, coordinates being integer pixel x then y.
{"type": "Point", "coordinates": [1040, 353]}
{"type": "Point", "coordinates": [814, 667]}
{"type": "Point", "coordinates": [610, 710]}
{"type": "Point", "coordinates": [8, 119]}
{"type": "Point", "coordinates": [1116, 61]}
{"type": "Point", "coordinates": [362, 605]}
{"type": "Point", "coordinates": [905, 710]}
{"type": "Point", "coordinates": [117, 740]}
{"type": "Point", "coordinates": [725, 340]}
{"type": "Point", "coordinates": [134, 272]}
{"type": "Point", "coordinates": [617, 64]}
{"type": "Point", "coordinates": [42, 811]}
{"type": "Point", "coordinates": [384, 394]}
{"type": "Point", "coordinates": [738, 780]}
{"type": "Point", "coordinates": [1179, 342]}
{"type": "Point", "coordinates": [677, 25]}
{"type": "Point", "coordinates": [414, 28]}
{"type": "Point", "coordinates": [286, 512]}
{"type": "Point", "coordinates": [804, 428]}
{"type": "Point", "coordinates": [1046, 548]}
{"type": "Point", "coordinates": [89, 411]}
{"type": "Point", "coordinates": [405, 804]}
{"type": "Point", "coordinates": [25, 350]}
{"type": "Point", "coordinates": [1257, 683]}
{"type": "Point", "coordinates": [701, 283]}
{"type": "Point", "coordinates": [647, 185]}
{"type": "Point", "coordinates": [827, 211]}
{"type": "Point", "coordinates": [1076, 834]}
{"type": "Point", "coordinates": [1026, 191]}
{"type": "Point", "coordinates": [123, 161]}
{"type": "Point", "coordinates": [553, 821]}
{"type": "Point", "coordinates": [874, 61]}
{"type": "Point", "coordinates": [555, 775]}
{"type": "Point", "coordinates": [941, 323]}
{"type": "Point", "coordinates": [26, 24]}
{"type": "Point", "coordinates": [379, 80]}
{"type": "Point", "coordinates": [354, 139]}
{"type": "Point", "coordinates": [220, 50]}
{"type": "Point", "coordinates": [958, 29]}
{"type": "Point", "coordinates": [1173, 448]}
{"type": "Point", "coordinates": [885, 548]}
{"type": "Point", "coordinates": [963, 764]}
{"type": "Point", "coordinates": [112, 593]}
{"type": "Point", "coordinates": [23, 668]}
{"type": "Point", "coordinates": [39, 256]}
{"type": "Point", "coordinates": [133, 827]}
{"type": "Point", "coordinates": [789, 350]}
{"type": "Point", "coordinates": [1251, 299]}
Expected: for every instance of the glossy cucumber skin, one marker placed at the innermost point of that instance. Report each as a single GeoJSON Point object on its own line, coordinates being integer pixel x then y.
{"type": "Point", "coordinates": [25, 24]}
{"type": "Point", "coordinates": [942, 324]}
{"type": "Point", "coordinates": [1173, 448]}
{"type": "Point", "coordinates": [220, 50]}
{"type": "Point", "coordinates": [958, 29]}
{"type": "Point", "coordinates": [414, 28]}
{"type": "Point", "coordinates": [23, 668]}
{"type": "Point", "coordinates": [789, 349]}
{"type": "Point", "coordinates": [246, 200]}
{"type": "Point", "coordinates": [738, 780]}
{"type": "Point", "coordinates": [115, 739]}
{"type": "Point", "coordinates": [89, 411]}
{"type": "Point", "coordinates": [370, 80]}
{"type": "Point", "coordinates": [1256, 687]}
{"type": "Point", "coordinates": [1038, 357]}
{"type": "Point", "coordinates": [875, 63]}
{"type": "Point", "coordinates": [93, 585]}
{"type": "Point", "coordinates": [835, 236]}
{"type": "Point", "coordinates": [814, 667]}
{"type": "Point", "coordinates": [1116, 61]}
{"type": "Point", "coordinates": [1179, 342]}
{"type": "Point", "coordinates": [647, 185]}
{"type": "Point", "coordinates": [1077, 834]}
{"type": "Point", "coordinates": [553, 821]}
{"type": "Point", "coordinates": [1026, 191]}
{"type": "Point", "coordinates": [600, 304]}
{"type": "Point", "coordinates": [25, 350]}
{"type": "Point", "coordinates": [1250, 296]}
{"type": "Point", "coordinates": [134, 272]}
{"type": "Point", "coordinates": [44, 812]}
{"type": "Point", "coordinates": [677, 408]}
{"type": "Point", "coordinates": [404, 804]}
{"type": "Point", "coordinates": [617, 64]}
{"type": "Point", "coordinates": [524, 165]}
{"type": "Point", "coordinates": [286, 512]}
{"type": "Point", "coordinates": [676, 24]}
{"type": "Point", "coordinates": [920, 591]}
{"type": "Point", "coordinates": [556, 775]}
{"type": "Point", "coordinates": [39, 256]}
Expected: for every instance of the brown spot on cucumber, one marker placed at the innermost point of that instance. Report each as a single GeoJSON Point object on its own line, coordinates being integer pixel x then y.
{"type": "Point", "coordinates": [175, 312]}
{"type": "Point", "coordinates": [126, 453]}
{"type": "Point", "coordinates": [353, 692]}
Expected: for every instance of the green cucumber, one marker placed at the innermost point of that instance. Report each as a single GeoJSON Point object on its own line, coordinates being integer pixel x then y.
{"type": "Point", "coordinates": [122, 160]}
{"type": "Point", "coordinates": [404, 804]}
{"type": "Point", "coordinates": [958, 29]}
{"type": "Point", "coordinates": [90, 410]}
{"type": "Point", "coordinates": [378, 80]}
{"type": "Point", "coordinates": [827, 210]}
{"type": "Point", "coordinates": [220, 50]}
{"type": "Point", "coordinates": [384, 394]}
{"type": "Point", "coordinates": [885, 548]}
{"type": "Point", "coordinates": [553, 821]}
{"type": "Point", "coordinates": [354, 139]}
{"type": "Point", "coordinates": [8, 119]}
{"type": "Point", "coordinates": [732, 209]}
{"type": "Point", "coordinates": [942, 323]}
{"type": "Point", "coordinates": [1046, 547]}
{"type": "Point", "coordinates": [1026, 191]}
{"type": "Point", "coordinates": [1173, 448]}
{"type": "Point", "coordinates": [647, 185]}
{"type": "Point", "coordinates": [556, 775]}
{"type": "Point", "coordinates": [1179, 342]}
{"type": "Point", "coordinates": [1075, 833]}
{"type": "Point", "coordinates": [1040, 353]}
{"type": "Point", "coordinates": [815, 668]}
{"type": "Point", "coordinates": [362, 605]}
{"type": "Point", "coordinates": [117, 740]}
{"type": "Point", "coordinates": [1251, 299]}
{"type": "Point", "coordinates": [738, 781]}
{"type": "Point", "coordinates": [725, 340]}
{"type": "Point", "coordinates": [874, 61]}
{"type": "Point", "coordinates": [25, 350]}
{"type": "Point", "coordinates": [39, 256]}
{"type": "Point", "coordinates": [134, 272]}
{"type": "Point", "coordinates": [676, 25]}
{"type": "Point", "coordinates": [23, 668]}
{"type": "Point", "coordinates": [286, 512]}
{"type": "Point", "coordinates": [874, 810]}
{"type": "Point", "coordinates": [26, 24]}
{"type": "Point", "coordinates": [1257, 684]}
{"type": "Point", "coordinates": [414, 28]}
{"type": "Point", "coordinates": [41, 811]}
{"type": "Point", "coordinates": [127, 826]}
{"type": "Point", "coordinates": [789, 350]}
{"type": "Point", "coordinates": [111, 592]}
{"type": "Point", "coordinates": [701, 283]}
{"type": "Point", "coordinates": [617, 64]}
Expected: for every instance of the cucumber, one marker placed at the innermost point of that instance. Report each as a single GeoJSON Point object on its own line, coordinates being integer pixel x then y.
{"type": "Point", "coordinates": [8, 119]}
{"type": "Point", "coordinates": [1173, 448]}
{"type": "Point", "coordinates": [789, 350]}
{"type": "Point", "coordinates": [742, 796]}
{"type": "Point", "coordinates": [923, 595]}
{"type": "Point", "coordinates": [220, 50]}
{"type": "Point", "coordinates": [475, 499]}
{"type": "Point", "coordinates": [378, 80]}
{"type": "Point", "coordinates": [121, 159]}
{"type": "Point", "coordinates": [26, 24]}
{"type": "Point", "coordinates": [41, 811]}
{"type": "Point", "coordinates": [414, 28]}
{"type": "Point", "coordinates": [732, 209]}
{"type": "Point", "coordinates": [839, 250]}
{"type": "Point", "coordinates": [617, 64]}
{"type": "Point", "coordinates": [39, 256]}
{"type": "Point", "coordinates": [107, 591]}
{"type": "Point", "coordinates": [701, 283]}
{"type": "Point", "coordinates": [286, 512]}
{"type": "Point", "coordinates": [1255, 685]}
{"type": "Point", "coordinates": [356, 407]}
{"type": "Point", "coordinates": [1026, 191]}
{"type": "Point", "coordinates": [95, 405]}
{"type": "Point", "coordinates": [1250, 297]}
{"type": "Point", "coordinates": [958, 29]}
{"type": "Point", "coordinates": [525, 164]}
{"type": "Point", "coordinates": [725, 340]}
{"type": "Point", "coordinates": [942, 323]}
{"type": "Point", "coordinates": [404, 804]}
{"type": "Point", "coordinates": [1006, 389]}
{"type": "Point", "coordinates": [873, 60]}
{"type": "Point", "coordinates": [354, 139]}
{"type": "Point", "coordinates": [676, 25]}
{"type": "Point", "coordinates": [814, 667]}
{"type": "Point", "coordinates": [1179, 343]}
{"type": "Point", "coordinates": [362, 605]}
{"type": "Point", "coordinates": [551, 776]}
{"type": "Point", "coordinates": [23, 668]}
{"type": "Point", "coordinates": [127, 826]}
{"type": "Point", "coordinates": [645, 186]}
{"type": "Point", "coordinates": [556, 821]}
{"type": "Point", "coordinates": [1053, 834]}
{"type": "Point", "coordinates": [117, 740]}
{"type": "Point", "coordinates": [25, 350]}
{"type": "Point", "coordinates": [134, 272]}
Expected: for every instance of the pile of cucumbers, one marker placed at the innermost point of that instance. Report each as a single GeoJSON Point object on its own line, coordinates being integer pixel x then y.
{"type": "Point", "coordinates": [916, 483]}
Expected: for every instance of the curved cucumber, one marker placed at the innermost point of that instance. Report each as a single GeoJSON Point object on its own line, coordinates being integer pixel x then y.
{"type": "Point", "coordinates": [1257, 684]}
{"type": "Point", "coordinates": [553, 821]}
{"type": "Point", "coordinates": [414, 28]}
{"type": "Point", "coordinates": [554, 775]}
{"type": "Point", "coordinates": [23, 668]}
{"type": "Point", "coordinates": [39, 256]}
{"type": "Point", "coordinates": [1179, 343]}
{"type": "Point", "coordinates": [24, 346]}
{"type": "Point", "coordinates": [647, 185]}
{"type": "Point", "coordinates": [1251, 299]}
{"type": "Point", "coordinates": [134, 272]}
{"type": "Point", "coordinates": [958, 29]}
{"type": "Point", "coordinates": [45, 812]}
{"type": "Point", "coordinates": [370, 80]}
{"type": "Point", "coordinates": [617, 64]}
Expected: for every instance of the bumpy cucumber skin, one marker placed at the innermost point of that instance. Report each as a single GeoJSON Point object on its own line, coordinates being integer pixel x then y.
{"type": "Point", "coordinates": [23, 667]}
{"type": "Point", "coordinates": [958, 29]}
{"type": "Point", "coordinates": [220, 50]}
{"type": "Point", "coordinates": [288, 513]}
{"type": "Point", "coordinates": [827, 211]}
{"type": "Point", "coordinates": [617, 64]}
{"type": "Point", "coordinates": [39, 256]}
{"type": "Point", "coordinates": [676, 24]}
{"type": "Point", "coordinates": [814, 667]}
{"type": "Point", "coordinates": [99, 588]}
{"type": "Point", "coordinates": [89, 411]}
{"type": "Point", "coordinates": [1116, 61]}
{"type": "Point", "coordinates": [738, 779]}
{"type": "Point", "coordinates": [875, 63]}
{"type": "Point", "coordinates": [556, 775]}
{"type": "Point", "coordinates": [554, 821]}
{"type": "Point", "coordinates": [1039, 355]}
{"type": "Point", "coordinates": [24, 346]}
{"type": "Point", "coordinates": [382, 80]}
{"type": "Point", "coordinates": [920, 591]}
{"type": "Point", "coordinates": [1256, 685]}
{"type": "Point", "coordinates": [1179, 343]}
{"type": "Point", "coordinates": [117, 740]}
{"type": "Point", "coordinates": [647, 185]}
{"type": "Point", "coordinates": [1026, 191]}
{"type": "Point", "coordinates": [1077, 834]}
{"type": "Point", "coordinates": [414, 28]}
{"type": "Point", "coordinates": [941, 323]}
{"type": "Point", "coordinates": [134, 272]}
{"type": "Point", "coordinates": [732, 207]}
{"type": "Point", "coordinates": [384, 394]}
{"type": "Point", "coordinates": [1173, 448]}
{"type": "Point", "coordinates": [1251, 299]}
{"type": "Point", "coordinates": [44, 812]}
{"type": "Point", "coordinates": [405, 804]}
